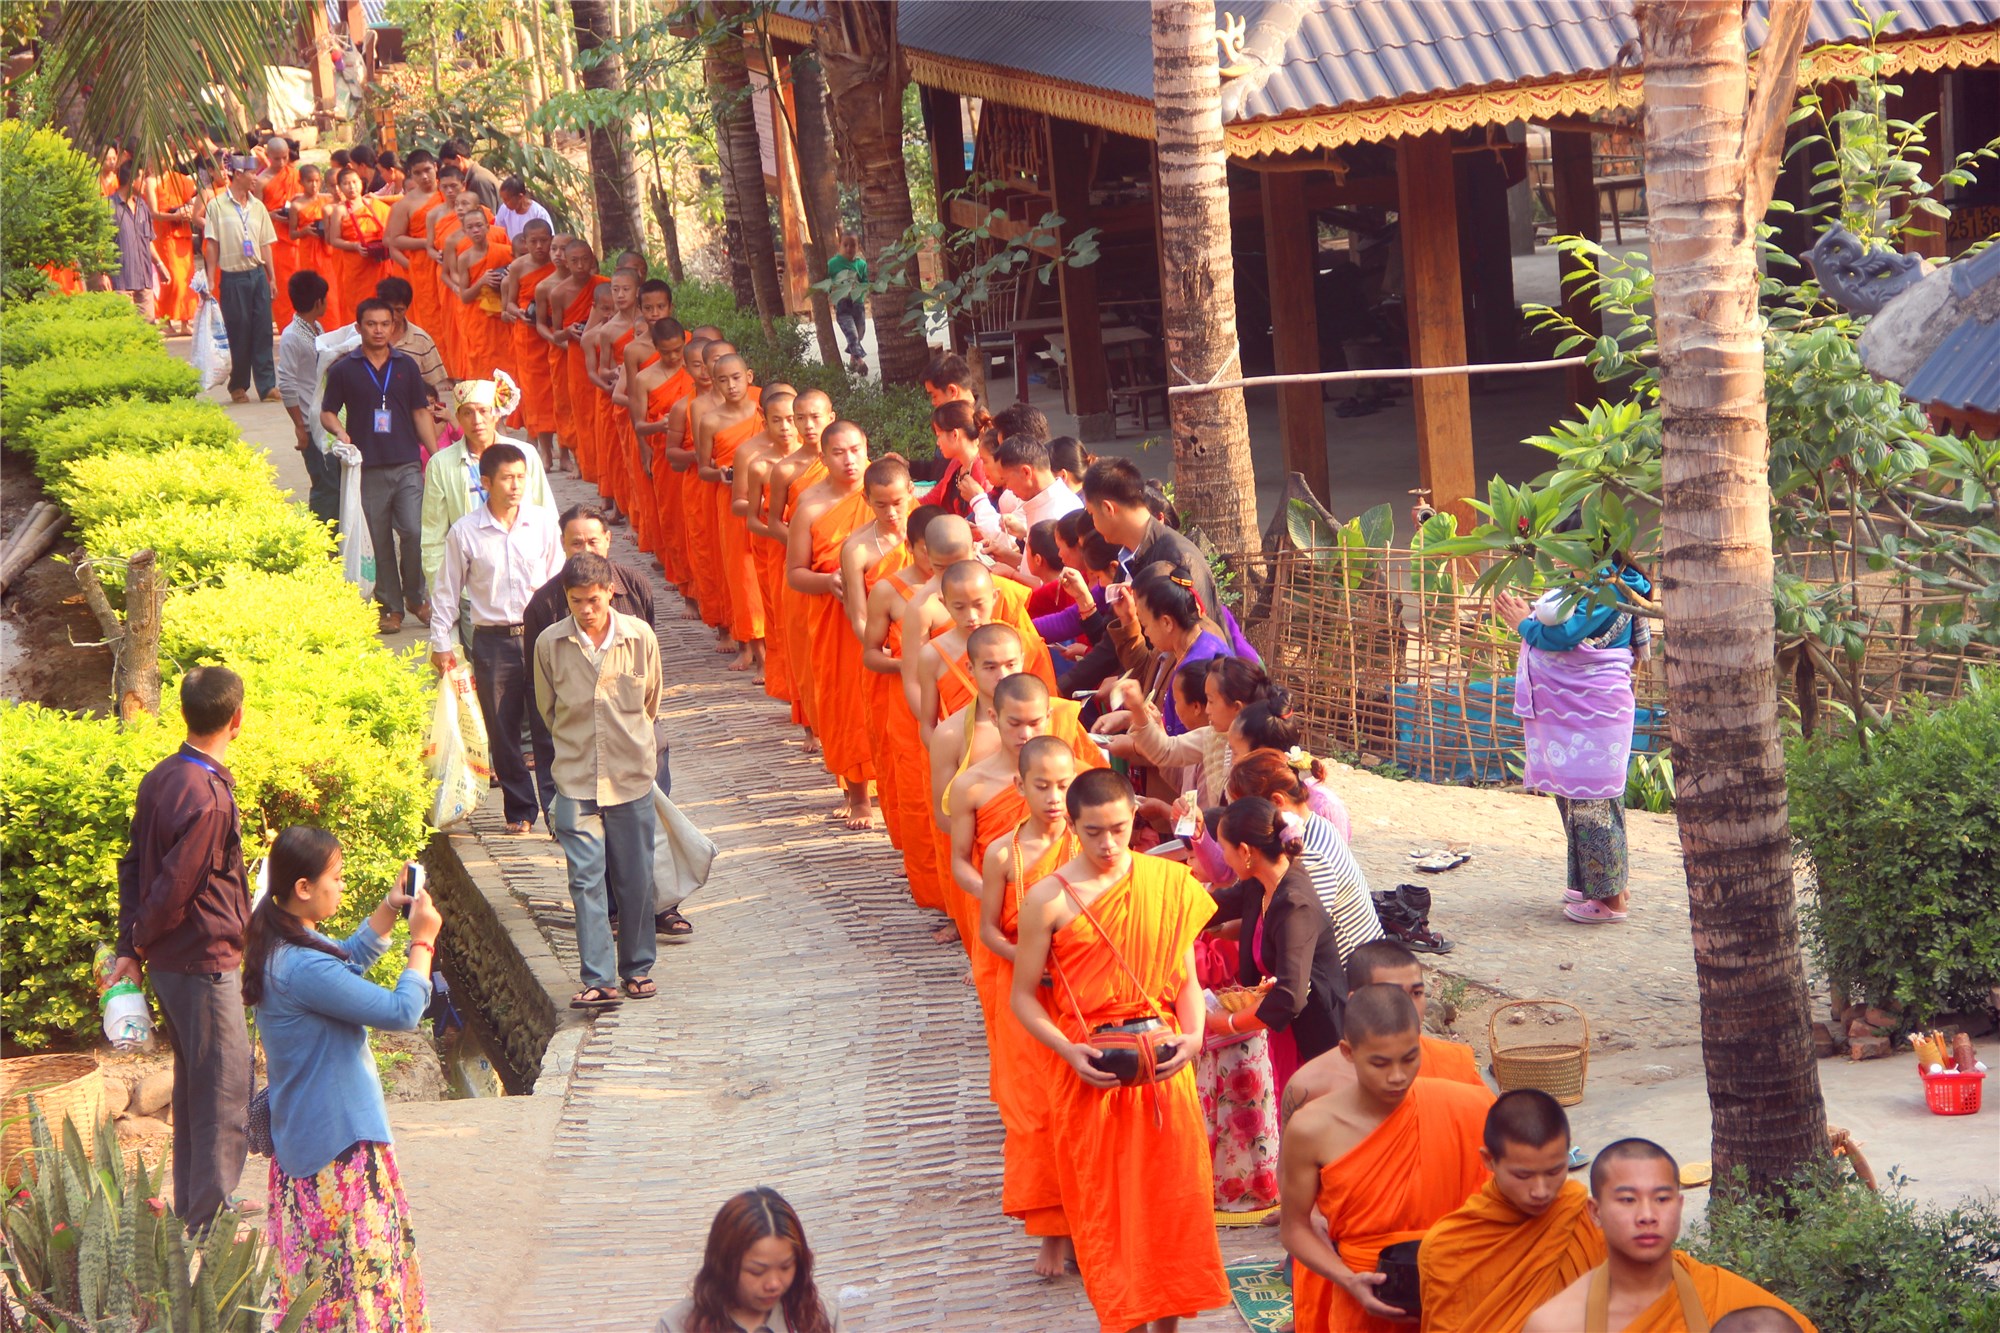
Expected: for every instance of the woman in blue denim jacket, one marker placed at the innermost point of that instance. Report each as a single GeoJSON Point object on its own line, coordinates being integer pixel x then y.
{"type": "Point", "coordinates": [337, 1212]}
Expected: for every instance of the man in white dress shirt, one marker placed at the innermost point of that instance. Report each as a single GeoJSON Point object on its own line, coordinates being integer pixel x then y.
{"type": "Point", "coordinates": [1026, 472]}
{"type": "Point", "coordinates": [451, 479]}
{"type": "Point", "coordinates": [495, 557]}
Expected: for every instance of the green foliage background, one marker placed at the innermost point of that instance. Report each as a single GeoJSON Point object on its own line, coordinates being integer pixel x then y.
{"type": "Point", "coordinates": [55, 214]}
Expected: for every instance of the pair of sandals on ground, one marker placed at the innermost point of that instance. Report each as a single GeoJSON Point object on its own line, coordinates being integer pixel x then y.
{"type": "Point", "coordinates": [669, 924]}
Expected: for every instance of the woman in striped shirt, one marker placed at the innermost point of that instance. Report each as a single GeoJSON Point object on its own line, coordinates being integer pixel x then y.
{"type": "Point", "coordinates": [1336, 875]}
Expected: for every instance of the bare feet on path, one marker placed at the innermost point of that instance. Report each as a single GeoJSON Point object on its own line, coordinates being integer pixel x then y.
{"type": "Point", "coordinates": [1056, 1251]}
{"type": "Point", "coordinates": [860, 814]}
{"type": "Point", "coordinates": [744, 661]}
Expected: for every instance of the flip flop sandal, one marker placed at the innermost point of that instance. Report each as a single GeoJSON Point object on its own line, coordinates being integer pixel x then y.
{"type": "Point", "coordinates": [1578, 1159]}
{"type": "Point", "coordinates": [596, 997]}
{"type": "Point", "coordinates": [641, 988]}
{"type": "Point", "coordinates": [675, 927]}
{"type": "Point", "coordinates": [1437, 862]}
{"type": "Point", "coordinates": [1593, 913]}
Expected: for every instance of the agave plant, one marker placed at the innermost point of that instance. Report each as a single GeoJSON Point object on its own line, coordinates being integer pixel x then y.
{"type": "Point", "coordinates": [88, 1247]}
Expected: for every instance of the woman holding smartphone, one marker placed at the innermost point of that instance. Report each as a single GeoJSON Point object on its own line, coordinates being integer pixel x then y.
{"type": "Point", "coordinates": [337, 1211]}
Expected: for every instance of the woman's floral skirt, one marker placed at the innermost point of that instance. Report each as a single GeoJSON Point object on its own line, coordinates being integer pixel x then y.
{"type": "Point", "coordinates": [348, 1228]}
{"type": "Point", "coordinates": [1241, 1106]}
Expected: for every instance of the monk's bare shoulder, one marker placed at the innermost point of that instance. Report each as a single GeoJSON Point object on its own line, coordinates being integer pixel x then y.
{"type": "Point", "coordinates": [1561, 1313]}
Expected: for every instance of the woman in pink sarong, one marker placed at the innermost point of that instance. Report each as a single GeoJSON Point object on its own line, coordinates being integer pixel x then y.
{"type": "Point", "coordinates": [1573, 694]}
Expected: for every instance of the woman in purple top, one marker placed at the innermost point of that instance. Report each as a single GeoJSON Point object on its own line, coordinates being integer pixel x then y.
{"type": "Point", "coordinates": [1171, 616]}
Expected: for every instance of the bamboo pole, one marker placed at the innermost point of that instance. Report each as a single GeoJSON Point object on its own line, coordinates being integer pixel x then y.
{"type": "Point", "coordinates": [33, 544]}
{"type": "Point", "coordinates": [1388, 373]}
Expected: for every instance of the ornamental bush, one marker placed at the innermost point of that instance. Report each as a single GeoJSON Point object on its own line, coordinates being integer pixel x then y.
{"type": "Point", "coordinates": [33, 392]}
{"type": "Point", "coordinates": [194, 542]}
{"type": "Point", "coordinates": [1855, 1261]}
{"type": "Point", "coordinates": [257, 615]}
{"type": "Point", "coordinates": [55, 214]}
{"type": "Point", "coordinates": [234, 480]}
{"type": "Point", "coordinates": [19, 315]}
{"type": "Point", "coordinates": [1905, 836]}
{"type": "Point", "coordinates": [78, 338]}
{"type": "Point", "coordinates": [131, 425]}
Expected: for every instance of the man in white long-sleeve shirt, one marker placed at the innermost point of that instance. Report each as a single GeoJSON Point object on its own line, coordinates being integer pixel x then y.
{"type": "Point", "coordinates": [495, 557]}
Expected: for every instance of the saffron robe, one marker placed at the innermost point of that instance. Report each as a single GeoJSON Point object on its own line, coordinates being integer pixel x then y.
{"type": "Point", "coordinates": [1010, 607]}
{"type": "Point", "coordinates": [739, 573]}
{"type": "Point", "coordinates": [1139, 1192]}
{"type": "Point", "coordinates": [645, 519]}
{"type": "Point", "coordinates": [538, 401]}
{"type": "Point", "coordinates": [1487, 1266]}
{"type": "Point", "coordinates": [582, 391]}
{"type": "Point", "coordinates": [1452, 1060]}
{"type": "Point", "coordinates": [798, 636]}
{"type": "Point", "coordinates": [1419, 1164]}
{"type": "Point", "coordinates": [449, 238]}
{"type": "Point", "coordinates": [669, 527]}
{"type": "Point", "coordinates": [315, 254]}
{"type": "Point", "coordinates": [1721, 1292]}
{"type": "Point", "coordinates": [176, 239]}
{"type": "Point", "coordinates": [836, 653]}
{"type": "Point", "coordinates": [704, 549]}
{"type": "Point", "coordinates": [883, 696]}
{"type": "Point", "coordinates": [364, 222]}
{"type": "Point", "coordinates": [769, 557]}
{"type": "Point", "coordinates": [425, 310]}
{"type": "Point", "coordinates": [1025, 1071]}
{"type": "Point", "coordinates": [488, 345]}
{"type": "Point", "coordinates": [279, 192]}
{"type": "Point", "coordinates": [612, 476]}
{"type": "Point", "coordinates": [911, 785]}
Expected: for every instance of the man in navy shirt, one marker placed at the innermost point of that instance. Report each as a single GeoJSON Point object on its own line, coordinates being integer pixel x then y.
{"type": "Point", "coordinates": [387, 409]}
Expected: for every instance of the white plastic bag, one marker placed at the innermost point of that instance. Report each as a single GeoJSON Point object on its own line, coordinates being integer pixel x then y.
{"type": "Point", "coordinates": [211, 345]}
{"type": "Point", "coordinates": [357, 548]}
{"type": "Point", "coordinates": [682, 854]}
{"type": "Point", "coordinates": [455, 751]}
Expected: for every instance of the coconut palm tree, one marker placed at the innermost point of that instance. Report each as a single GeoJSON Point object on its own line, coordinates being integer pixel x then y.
{"type": "Point", "coordinates": [1711, 161]}
{"type": "Point", "coordinates": [1214, 486]}
{"type": "Point", "coordinates": [614, 172]}
{"type": "Point", "coordinates": [728, 75]}
{"type": "Point", "coordinates": [162, 71]}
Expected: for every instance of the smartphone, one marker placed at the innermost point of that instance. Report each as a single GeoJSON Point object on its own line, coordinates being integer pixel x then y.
{"type": "Point", "coordinates": [415, 882]}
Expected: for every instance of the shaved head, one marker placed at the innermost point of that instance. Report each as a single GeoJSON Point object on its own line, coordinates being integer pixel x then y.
{"type": "Point", "coordinates": [886, 471]}
{"type": "Point", "coordinates": [1627, 1150]}
{"type": "Point", "coordinates": [728, 361]}
{"type": "Point", "coordinates": [1380, 1011]}
{"type": "Point", "coordinates": [1049, 751]}
{"type": "Point", "coordinates": [995, 638]}
{"type": "Point", "coordinates": [949, 538]}
{"type": "Point", "coordinates": [813, 398]}
{"type": "Point", "coordinates": [1526, 1116]}
{"type": "Point", "coordinates": [1020, 688]}
{"type": "Point", "coordinates": [917, 529]}
{"type": "Point", "coordinates": [1756, 1319]}
{"type": "Point", "coordinates": [967, 576]}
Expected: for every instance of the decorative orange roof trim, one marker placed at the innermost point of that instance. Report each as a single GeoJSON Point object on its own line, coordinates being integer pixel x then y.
{"type": "Point", "coordinates": [1582, 96]}
{"type": "Point", "coordinates": [1068, 101]}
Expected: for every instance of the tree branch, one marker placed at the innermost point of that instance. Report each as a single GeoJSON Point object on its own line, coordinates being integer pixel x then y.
{"type": "Point", "coordinates": [1771, 106]}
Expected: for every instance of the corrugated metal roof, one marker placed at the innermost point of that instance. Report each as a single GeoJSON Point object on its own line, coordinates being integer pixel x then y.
{"type": "Point", "coordinates": [1355, 52]}
{"type": "Point", "coordinates": [1964, 371]}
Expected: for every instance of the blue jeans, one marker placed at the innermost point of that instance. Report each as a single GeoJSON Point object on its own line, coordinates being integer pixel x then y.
{"type": "Point", "coordinates": [610, 849]}
{"type": "Point", "coordinates": [852, 317]}
{"type": "Point", "coordinates": [323, 497]}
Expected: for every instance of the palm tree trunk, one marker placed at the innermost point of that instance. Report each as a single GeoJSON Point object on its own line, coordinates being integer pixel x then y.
{"type": "Point", "coordinates": [614, 175]}
{"type": "Point", "coordinates": [1214, 485]}
{"type": "Point", "coordinates": [820, 189]}
{"type": "Point", "coordinates": [736, 121]}
{"type": "Point", "coordinates": [734, 247]}
{"type": "Point", "coordinates": [1707, 152]}
{"type": "Point", "coordinates": [863, 63]}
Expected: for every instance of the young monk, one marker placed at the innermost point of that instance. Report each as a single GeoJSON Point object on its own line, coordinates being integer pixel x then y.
{"type": "Point", "coordinates": [676, 450]}
{"type": "Point", "coordinates": [532, 265]}
{"type": "Point", "coordinates": [754, 461]}
{"type": "Point", "coordinates": [944, 685]}
{"type": "Point", "coordinates": [356, 227]}
{"type": "Point", "coordinates": [547, 317]}
{"type": "Point", "coordinates": [1383, 962]}
{"type": "Point", "coordinates": [1024, 1070]}
{"type": "Point", "coordinates": [443, 251]}
{"type": "Point", "coordinates": [1645, 1285]}
{"type": "Point", "coordinates": [591, 308]}
{"type": "Point", "coordinates": [487, 258]}
{"type": "Point", "coordinates": [1522, 1238]}
{"type": "Point", "coordinates": [812, 413]}
{"type": "Point", "coordinates": [280, 183]}
{"type": "Point", "coordinates": [1134, 1168]}
{"type": "Point", "coordinates": [871, 555]}
{"type": "Point", "coordinates": [309, 217]}
{"type": "Point", "coordinates": [927, 617]}
{"type": "Point", "coordinates": [563, 304]}
{"type": "Point", "coordinates": [906, 798]}
{"type": "Point", "coordinates": [704, 541]}
{"type": "Point", "coordinates": [827, 516]}
{"type": "Point", "coordinates": [654, 390]}
{"type": "Point", "coordinates": [723, 430]}
{"type": "Point", "coordinates": [408, 233]}
{"type": "Point", "coordinates": [1381, 1159]}
{"type": "Point", "coordinates": [635, 352]}
{"type": "Point", "coordinates": [604, 352]}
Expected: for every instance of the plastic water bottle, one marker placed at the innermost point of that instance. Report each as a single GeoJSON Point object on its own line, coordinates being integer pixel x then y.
{"type": "Point", "coordinates": [128, 1022]}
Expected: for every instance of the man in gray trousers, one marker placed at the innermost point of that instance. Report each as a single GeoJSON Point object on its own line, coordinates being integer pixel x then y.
{"type": "Point", "coordinates": [183, 900]}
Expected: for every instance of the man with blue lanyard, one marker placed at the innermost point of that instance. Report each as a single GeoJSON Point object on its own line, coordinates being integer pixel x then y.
{"type": "Point", "coordinates": [388, 421]}
{"type": "Point", "coordinates": [451, 479]}
{"type": "Point", "coordinates": [237, 254]}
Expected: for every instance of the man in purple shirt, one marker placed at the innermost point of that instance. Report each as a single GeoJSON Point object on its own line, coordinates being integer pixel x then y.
{"type": "Point", "coordinates": [183, 901]}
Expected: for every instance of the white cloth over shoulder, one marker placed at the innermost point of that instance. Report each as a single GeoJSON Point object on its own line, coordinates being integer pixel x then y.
{"type": "Point", "coordinates": [682, 855]}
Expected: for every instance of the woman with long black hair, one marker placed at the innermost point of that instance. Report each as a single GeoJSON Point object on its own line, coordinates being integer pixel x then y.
{"type": "Point", "coordinates": [337, 1211]}
{"type": "Point", "coordinates": [756, 1273]}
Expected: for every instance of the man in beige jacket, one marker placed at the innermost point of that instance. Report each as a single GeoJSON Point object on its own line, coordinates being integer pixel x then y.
{"type": "Point", "coordinates": [597, 685]}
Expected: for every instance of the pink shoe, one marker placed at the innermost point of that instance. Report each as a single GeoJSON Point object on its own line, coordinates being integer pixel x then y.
{"type": "Point", "coordinates": [1592, 912]}
{"type": "Point", "coordinates": [1572, 895]}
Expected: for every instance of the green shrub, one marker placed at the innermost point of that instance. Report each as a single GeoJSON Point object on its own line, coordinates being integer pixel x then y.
{"type": "Point", "coordinates": [19, 315]}
{"type": "Point", "coordinates": [1906, 841]}
{"type": "Point", "coordinates": [32, 392]}
{"type": "Point", "coordinates": [897, 417]}
{"type": "Point", "coordinates": [1855, 1261]}
{"type": "Point", "coordinates": [194, 542]}
{"type": "Point", "coordinates": [78, 338]}
{"type": "Point", "coordinates": [234, 480]}
{"type": "Point", "coordinates": [255, 615]}
{"type": "Point", "coordinates": [66, 786]}
{"type": "Point", "coordinates": [131, 425]}
{"type": "Point", "coordinates": [55, 214]}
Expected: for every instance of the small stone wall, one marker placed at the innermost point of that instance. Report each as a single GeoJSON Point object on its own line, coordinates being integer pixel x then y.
{"type": "Point", "coordinates": [499, 962]}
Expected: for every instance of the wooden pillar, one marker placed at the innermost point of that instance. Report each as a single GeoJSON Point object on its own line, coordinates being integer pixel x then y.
{"type": "Point", "coordinates": [944, 129]}
{"type": "Point", "coordinates": [320, 38]}
{"type": "Point", "coordinates": [1571, 155]}
{"type": "Point", "coordinates": [1427, 209]}
{"type": "Point", "coordinates": [1069, 158]}
{"type": "Point", "coordinates": [1290, 256]}
{"type": "Point", "coordinates": [1923, 96]}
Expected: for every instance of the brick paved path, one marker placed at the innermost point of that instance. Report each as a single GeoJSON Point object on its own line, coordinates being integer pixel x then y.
{"type": "Point", "coordinates": [811, 1037]}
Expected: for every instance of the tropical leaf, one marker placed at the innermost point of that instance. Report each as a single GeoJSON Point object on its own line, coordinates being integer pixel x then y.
{"type": "Point", "coordinates": [154, 68]}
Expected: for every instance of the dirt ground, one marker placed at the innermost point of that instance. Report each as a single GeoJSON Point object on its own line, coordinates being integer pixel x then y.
{"type": "Point", "coordinates": [43, 618]}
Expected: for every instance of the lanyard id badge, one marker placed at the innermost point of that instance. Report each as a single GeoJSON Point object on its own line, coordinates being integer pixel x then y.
{"type": "Point", "coordinates": [382, 426]}
{"type": "Point", "coordinates": [243, 222]}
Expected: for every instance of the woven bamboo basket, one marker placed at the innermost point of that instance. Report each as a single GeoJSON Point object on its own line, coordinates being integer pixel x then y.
{"type": "Point", "coordinates": [62, 1085]}
{"type": "Point", "coordinates": [1557, 1068]}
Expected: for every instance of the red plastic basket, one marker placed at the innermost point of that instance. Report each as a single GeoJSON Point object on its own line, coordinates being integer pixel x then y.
{"type": "Point", "coordinates": [1953, 1093]}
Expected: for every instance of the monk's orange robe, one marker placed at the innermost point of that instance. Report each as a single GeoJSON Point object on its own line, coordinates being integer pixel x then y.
{"type": "Point", "coordinates": [1721, 1292]}
{"type": "Point", "coordinates": [176, 239]}
{"type": "Point", "coordinates": [1452, 1060]}
{"type": "Point", "coordinates": [279, 191]}
{"type": "Point", "coordinates": [558, 361]}
{"type": "Point", "coordinates": [67, 281]}
{"type": "Point", "coordinates": [604, 415]}
{"type": "Point", "coordinates": [954, 684]}
{"type": "Point", "coordinates": [1066, 722]}
{"type": "Point", "coordinates": [489, 345]}
{"type": "Point", "coordinates": [1487, 1266]}
{"type": "Point", "coordinates": [315, 254]}
{"type": "Point", "coordinates": [910, 784]}
{"type": "Point", "coordinates": [577, 377]}
{"type": "Point", "coordinates": [703, 543]}
{"type": "Point", "coordinates": [1419, 1164]}
{"type": "Point", "coordinates": [1025, 1071]}
{"type": "Point", "coordinates": [884, 696]}
{"type": "Point", "coordinates": [836, 653]}
{"type": "Point", "coordinates": [531, 361]}
{"type": "Point", "coordinates": [670, 528]}
{"type": "Point", "coordinates": [449, 238]}
{"type": "Point", "coordinates": [645, 520]}
{"type": "Point", "coordinates": [769, 556]}
{"type": "Point", "coordinates": [425, 312]}
{"type": "Point", "coordinates": [1004, 812]}
{"type": "Point", "coordinates": [739, 574]}
{"type": "Point", "coordinates": [1134, 1169]}
{"type": "Point", "coordinates": [798, 637]}
{"type": "Point", "coordinates": [364, 222]}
